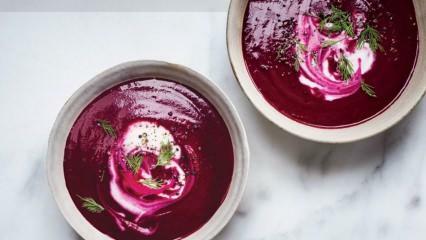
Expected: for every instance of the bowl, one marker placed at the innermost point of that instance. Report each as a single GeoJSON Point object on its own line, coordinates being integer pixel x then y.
{"type": "Point", "coordinates": [145, 69]}
{"type": "Point", "coordinates": [406, 101]}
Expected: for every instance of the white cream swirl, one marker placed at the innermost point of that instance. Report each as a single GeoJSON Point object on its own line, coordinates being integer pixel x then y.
{"type": "Point", "coordinates": [316, 60]}
{"type": "Point", "coordinates": [145, 139]}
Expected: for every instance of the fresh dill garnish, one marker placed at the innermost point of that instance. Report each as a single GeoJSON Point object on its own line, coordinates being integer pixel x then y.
{"type": "Point", "coordinates": [166, 154]}
{"type": "Point", "coordinates": [337, 21]}
{"type": "Point", "coordinates": [151, 183]}
{"type": "Point", "coordinates": [371, 36]}
{"type": "Point", "coordinates": [368, 89]}
{"type": "Point", "coordinates": [345, 68]}
{"type": "Point", "coordinates": [329, 43]}
{"type": "Point", "coordinates": [91, 205]}
{"type": "Point", "coordinates": [296, 63]}
{"type": "Point", "coordinates": [300, 47]}
{"type": "Point", "coordinates": [107, 127]}
{"type": "Point", "coordinates": [134, 162]}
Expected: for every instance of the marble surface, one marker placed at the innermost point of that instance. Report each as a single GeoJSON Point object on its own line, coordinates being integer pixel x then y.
{"type": "Point", "coordinates": [372, 189]}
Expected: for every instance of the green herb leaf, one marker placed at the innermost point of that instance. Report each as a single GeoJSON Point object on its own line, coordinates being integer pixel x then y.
{"type": "Point", "coordinates": [329, 43]}
{"type": "Point", "coordinates": [152, 183]}
{"type": "Point", "coordinates": [107, 127]}
{"type": "Point", "coordinates": [368, 89]}
{"type": "Point", "coordinates": [337, 21]}
{"type": "Point", "coordinates": [296, 63]}
{"type": "Point", "coordinates": [371, 36]}
{"type": "Point", "coordinates": [302, 46]}
{"type": "Point", "coordinates": [166, 154]}
{"type": "Point", "coordinates": [91, 205]}
{"type": "Point", "coordinates": [134, 162]}
{"type": "Point", "coordinates": [345, 68]}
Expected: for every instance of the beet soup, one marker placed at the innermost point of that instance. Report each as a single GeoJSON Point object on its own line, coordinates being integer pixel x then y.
{"type": "Point", "coordinates": [331, 63]}
{"type": "Point", "coordinates": [148, 159]}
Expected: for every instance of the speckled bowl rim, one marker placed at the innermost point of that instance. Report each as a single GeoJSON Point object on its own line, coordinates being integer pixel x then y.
{"type": "Point", "coordinates": [401, 107]}
{"type": "Point", "coordinates": [130, 70]}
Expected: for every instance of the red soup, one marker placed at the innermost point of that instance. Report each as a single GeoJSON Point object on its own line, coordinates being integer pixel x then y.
{"type": "Point", "coordinates": [330, 63]}
{"type": "Point", "coordinates": [148, 159]}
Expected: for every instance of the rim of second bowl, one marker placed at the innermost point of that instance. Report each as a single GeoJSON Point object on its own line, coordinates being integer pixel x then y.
{"type": "Point", "coordinates": [113, 76]}
{"type": "Point", "coordinates": [392, 114]}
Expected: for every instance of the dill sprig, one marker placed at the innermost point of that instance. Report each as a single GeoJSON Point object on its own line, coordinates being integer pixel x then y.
{"type": "Point", "coordinates": [134, 162]}
{"type": "Point", "coordinates": [152, 183]}
{"type": "Point", "coordinates": [166, 154]}
{"type": "Point", "coordinates": [91, 205]}
{"type": "Point", "coordinates": [337, 21]}
{"type": "Point", "coordinates": [329, 43]}
{"type": "Point", "coordinates": [300, 47]}
{"type": "Point", "coordinates": [296, 63]}
{"type": "Point", "coordinates": [345, 68]}
{"type": "Point", "coordinates": [368, 89]}
{"type": "Point", "coordinates": [107, 127]}
{"type": "Point", "coordinates": [371, 36]}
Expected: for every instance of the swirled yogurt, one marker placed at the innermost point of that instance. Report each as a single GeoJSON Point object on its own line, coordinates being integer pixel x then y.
{"type": "Point", "coordinates": [152, 158]}
{"type": "Point", "coordinates": [318, 61]}
{"type": "Point", "coordinates": [145, 139]}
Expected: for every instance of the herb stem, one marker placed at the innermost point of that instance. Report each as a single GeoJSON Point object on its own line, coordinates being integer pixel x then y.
{"type": "Point", "coordinates": [345, 68]}
{"type": "Point", "coordinates": [337, 21]}
{"type": "Point", "coordinates": [91, 205]}
{"type": "Point", "coordinates": [166, 154]}
{"type": "Point", "coordinates": [371, 36]}
{"type": "Point", "coordinates": [152, 183]}
{"type": "Point", "coordinates": [368, 89]}
{"type": "Point", "coordinates": [134, 162]}
{"type": "Point", "coordinates": [107, 127]}
{"type": "Point", "coordinates": [329, 43]}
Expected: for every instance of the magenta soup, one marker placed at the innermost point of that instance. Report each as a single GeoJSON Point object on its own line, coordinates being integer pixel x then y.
{"type": "Point", "coordinates": [330, 64]}
{"type": "Point", "coordinates": [148, 159]}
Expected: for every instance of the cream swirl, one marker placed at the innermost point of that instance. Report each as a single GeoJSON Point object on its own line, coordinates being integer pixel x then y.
{"type": "Point", "coordinates": [144, 202]}
{"type": "Point", "coordinates": [317, 60]}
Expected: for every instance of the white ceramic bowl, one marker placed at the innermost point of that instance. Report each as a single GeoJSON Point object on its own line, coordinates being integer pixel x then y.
{"type": "Point", "coordinates": [145, 69]}
{"type": "Point", "coordinates": [411, 95]}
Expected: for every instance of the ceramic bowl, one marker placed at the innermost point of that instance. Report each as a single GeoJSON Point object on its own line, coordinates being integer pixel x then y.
{"type": "Point", "coordinates": [145, 69]}
{"type": "Point", "coordinates": [411, 95]}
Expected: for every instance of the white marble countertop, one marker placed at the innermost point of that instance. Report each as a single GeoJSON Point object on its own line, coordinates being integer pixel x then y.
{"type": "Point", "coordinates": [373, 189]}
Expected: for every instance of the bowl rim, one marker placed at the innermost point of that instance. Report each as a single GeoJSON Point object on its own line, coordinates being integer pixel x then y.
{"type": "Point", "coordinates": [362, 130]}
{"type": "Point", "coordinates": [56, 144]}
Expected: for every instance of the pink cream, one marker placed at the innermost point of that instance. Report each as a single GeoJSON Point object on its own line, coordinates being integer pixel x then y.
{"type": "Point", "coordinates": [316, 71]}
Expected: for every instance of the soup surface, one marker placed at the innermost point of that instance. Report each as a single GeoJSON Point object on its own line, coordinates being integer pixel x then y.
{"type": "Point", "coordinates": [330, 63]}
{"type": "Point", "coordinates": [148, 159]}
